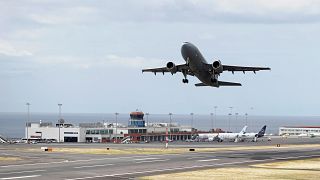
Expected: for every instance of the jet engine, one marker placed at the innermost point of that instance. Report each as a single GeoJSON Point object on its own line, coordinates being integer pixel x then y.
{"type": "Point", "coordinates": [217, 67]}
{"type": "Point", "coordinates": [172, 67]}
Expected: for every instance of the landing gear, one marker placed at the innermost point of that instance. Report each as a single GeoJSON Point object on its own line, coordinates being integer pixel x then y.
{"type": "Point", "coordinates": [214, 78]}
{"type": "Point", "coordinates": [214, 81]}
{"type": "Point", "coordinates": [185, 80]}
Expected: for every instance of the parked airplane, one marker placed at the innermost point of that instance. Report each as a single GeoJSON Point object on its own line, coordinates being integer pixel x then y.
{"type": "Point", "coordinates": [3, 140]}
{"type": "Point", "coordinates": [196, 65]}
{"type": "Point", "coordinates": [231, 136]}
{"type": "Point", "coordinates": [207, 136]}
{"type": "Point", "coordinates": [253, 136]}
{"type": "Point", "coordinates": [314, 135]}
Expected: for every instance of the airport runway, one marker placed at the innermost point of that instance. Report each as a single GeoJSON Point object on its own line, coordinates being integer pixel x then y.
{"type": "Point", "coordinates": [54, 165]}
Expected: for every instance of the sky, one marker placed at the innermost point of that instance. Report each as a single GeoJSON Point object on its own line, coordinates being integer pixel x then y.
{"type": "Point", "coordinates": [88, 55]}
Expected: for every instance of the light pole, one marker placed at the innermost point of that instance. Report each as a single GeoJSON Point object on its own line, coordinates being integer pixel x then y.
{"type": "Point", "coordinates": [60, 118]}
{"type": "Point", "coordinates": [246, 114]}
{"type": "Point", "coordinates": [229, 121]}
{"type": "Point", "coordinates": [215, 115]}
{"type": "Point", "coordinates": [231, 109]}
{"type": "Point", "coordinates": [211, 114]}
{"type": "Point", "coordinates": [230, 114]}
{"type": "Point", "coordinates": [116, 140]}
{"type": "Point", "coordinates": [28, 120]}
{"type": "Point", "coordinates": [236, 117]}
{"type": "Point", "coordinates": [191, 114]}
{"type": "Point", "coordinates": [252, 122]}
{"type": "Point", "coordinates": [147, 114]}
{"type": "Point", "coordinates": [170, 114]}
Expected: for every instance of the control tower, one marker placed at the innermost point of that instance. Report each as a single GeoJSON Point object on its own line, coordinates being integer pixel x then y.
{"type": "Point", "coordinates": [136, 119]}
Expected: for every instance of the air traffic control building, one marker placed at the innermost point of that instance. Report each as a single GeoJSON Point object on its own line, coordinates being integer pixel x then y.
{"type": "Point", "coordinates": [136, 130]}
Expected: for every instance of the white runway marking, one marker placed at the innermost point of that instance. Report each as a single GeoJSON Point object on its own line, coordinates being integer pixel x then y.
{"type": "Point", "coordinates": [184, 168]}
{"type": "Point", "coordinates": [19, 172]}
{"type": "Point", "coordinates": [20, 177]}
{"type": "Point", "coordinates": [144, 159]}
{"type": "Point", "coordinates": [198, 157]}
{"type": "Point", "coordinates": [34, 164]}
{"type": "Point", "coordinates": [80, 160]}
{"type": "Point", "coordinates": [152, 161]}
{"type": "Point", "coordinates": [239, 154]}
{"type": "Point", "coordinates": [98, 165]}
{"type": "Point", "coordinates": [206, 160]}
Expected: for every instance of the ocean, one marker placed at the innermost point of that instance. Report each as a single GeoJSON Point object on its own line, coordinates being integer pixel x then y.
{"type": "Point", "coordinates": [13, 124]}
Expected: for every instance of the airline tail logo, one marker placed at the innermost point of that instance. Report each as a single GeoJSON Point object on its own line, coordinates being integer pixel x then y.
{"type": "Point", "coordinates": [262, 131]}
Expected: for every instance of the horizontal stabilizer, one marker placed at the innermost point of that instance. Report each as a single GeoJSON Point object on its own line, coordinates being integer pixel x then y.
{"type": "Point", "coordinates": [201, 84]}
{"type": "Point", "coordinates": [223, 83]}
{"type": "Point", "coordinates": [219, 83]}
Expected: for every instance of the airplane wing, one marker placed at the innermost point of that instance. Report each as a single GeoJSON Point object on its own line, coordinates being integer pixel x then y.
{"type": "Point", "coordinates": [180, 68]}
{"type": "Point", "coordinates": [243, 68]}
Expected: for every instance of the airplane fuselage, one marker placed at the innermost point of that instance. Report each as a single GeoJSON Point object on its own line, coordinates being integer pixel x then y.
{"type": "Point", "coordinates": [196, 63]}
{"type": "Point", "coordinates": [228, 136]}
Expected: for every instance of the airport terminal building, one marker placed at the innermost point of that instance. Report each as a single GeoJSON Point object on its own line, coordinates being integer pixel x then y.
{"type": "Point", "coordinates": [137, 130]}
{"type": "Point", "coordinates": [299, 130]}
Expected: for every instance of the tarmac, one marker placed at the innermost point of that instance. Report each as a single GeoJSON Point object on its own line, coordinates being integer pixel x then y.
{"type": "Point", "coordinates": [75, 166]}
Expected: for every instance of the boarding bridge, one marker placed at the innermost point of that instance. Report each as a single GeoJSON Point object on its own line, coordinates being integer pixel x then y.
{"type": "Point", "coordinates": [3, 140]}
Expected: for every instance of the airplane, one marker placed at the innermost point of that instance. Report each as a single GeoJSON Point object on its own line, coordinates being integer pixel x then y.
{"type": "Point", "coordinates": [207, 136]}
{"type": "Point", "coordinates": [231, 136]}
{"type": "Point", "coordinates": [3, 140]}
{"type": "Point", "coordinates": [312, 135]}
{"type": "Point", "coordinates": [253, 136]}
{"type": "Point", "coordinates": [196, 65]}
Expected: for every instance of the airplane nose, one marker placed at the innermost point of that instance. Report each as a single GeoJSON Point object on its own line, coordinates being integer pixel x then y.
{"type": "Point", "coordinates": [185, 45]}
{"type": "Point", "coordinates": [184, 50]}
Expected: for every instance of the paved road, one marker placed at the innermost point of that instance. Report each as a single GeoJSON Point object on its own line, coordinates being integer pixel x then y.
{"type": "Point", "coordinates": [53, 165]}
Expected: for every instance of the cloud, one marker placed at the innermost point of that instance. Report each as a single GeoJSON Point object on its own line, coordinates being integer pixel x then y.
{"type": "Point", "coordinates": [109, 61]}
{"type": "Point", "coordinates": [132, 62]}
{"type": "Point", "coordinates": [21, 64]}
{"type": "Point", "coordinates": [271, 11]}
{"type": "Point", "coordinates": [7, 49]}
{"type": "Point", "coordinates": [65, 15]}
{"type": "Point", "coordinates": [228, 11]}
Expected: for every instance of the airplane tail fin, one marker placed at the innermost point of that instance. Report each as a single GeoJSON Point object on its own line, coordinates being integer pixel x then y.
{"type": "Point", "coordinates": [244, 129]}
{"type": "Point", "coordinates": [220, 83]}
{"type": "Point", "coordinates": [262, 131]}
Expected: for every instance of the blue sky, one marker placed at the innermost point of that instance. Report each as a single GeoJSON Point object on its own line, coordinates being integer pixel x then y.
{"type": "Point", "coordinates": [88, 55]}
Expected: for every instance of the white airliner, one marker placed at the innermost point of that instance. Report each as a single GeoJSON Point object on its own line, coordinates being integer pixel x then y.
{"type": "Point", "coordinates": [207, 136]}
{"type": "Point", "coordinates": [253, 136]}
{"type": "Point", "coordinates": [314, 134]}
{"type": "Point", "coordinates": [231, 136]}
